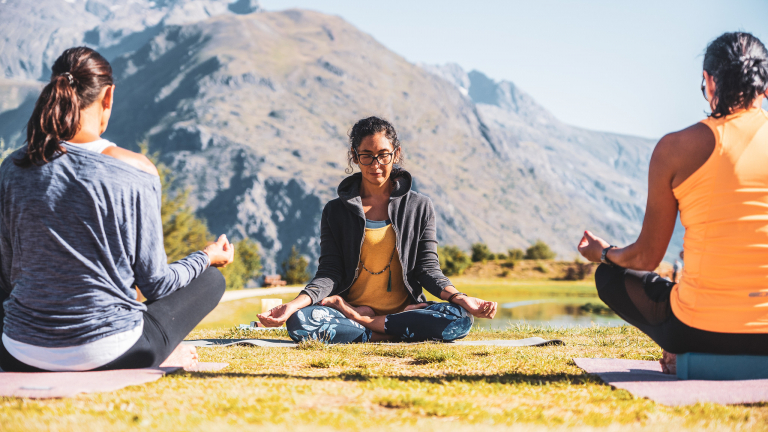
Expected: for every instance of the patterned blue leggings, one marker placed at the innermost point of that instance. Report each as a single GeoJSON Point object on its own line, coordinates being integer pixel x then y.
{"type": "Point", "coordinates": [437, 322]}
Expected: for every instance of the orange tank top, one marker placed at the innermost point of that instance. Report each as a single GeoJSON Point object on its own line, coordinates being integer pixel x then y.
{"type": "Point", "coordinates": [724, 209]}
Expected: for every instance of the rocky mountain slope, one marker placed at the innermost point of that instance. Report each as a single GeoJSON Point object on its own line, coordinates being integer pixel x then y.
{"type": "Point", "coordinates": [252, 110]}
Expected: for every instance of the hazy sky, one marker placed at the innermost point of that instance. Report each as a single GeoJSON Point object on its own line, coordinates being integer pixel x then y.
{"type": "Point", "coordinates": [628, 67]}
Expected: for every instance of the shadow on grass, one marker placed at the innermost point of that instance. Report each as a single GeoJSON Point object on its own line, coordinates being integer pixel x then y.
{"type": "Point", "coordinates": [363, 376]}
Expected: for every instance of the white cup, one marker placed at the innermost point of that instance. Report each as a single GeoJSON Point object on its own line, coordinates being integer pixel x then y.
{"type": "Point", "coordinates": [267, 304]}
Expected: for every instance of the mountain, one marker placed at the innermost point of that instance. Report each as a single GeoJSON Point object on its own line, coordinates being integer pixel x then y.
{"type": "Point", "coordinates": [252, 110]}
{"type": "Point", "coordinates": [34, 33]}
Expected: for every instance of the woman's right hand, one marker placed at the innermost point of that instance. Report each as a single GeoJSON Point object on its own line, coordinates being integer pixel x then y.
{"type": "Point", "coordinates": [278, 315]}
{"type": "Point", "coordinates": [221, 253]}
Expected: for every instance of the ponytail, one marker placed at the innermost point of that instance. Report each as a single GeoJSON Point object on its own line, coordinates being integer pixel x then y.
{"type": "Point", "coordinates": [738, 62]}
{"type": "Point", "coordinates": [78, 77]}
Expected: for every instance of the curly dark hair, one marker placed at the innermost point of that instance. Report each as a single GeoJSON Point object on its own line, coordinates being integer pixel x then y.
{"type": "Point", "coordinates": [372, 126]}
{"type": "Point", "coordinates": [738, 62]}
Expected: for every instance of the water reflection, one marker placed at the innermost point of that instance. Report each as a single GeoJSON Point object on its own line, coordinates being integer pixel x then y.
{"type": "Point", "coordinates": [555, 312]}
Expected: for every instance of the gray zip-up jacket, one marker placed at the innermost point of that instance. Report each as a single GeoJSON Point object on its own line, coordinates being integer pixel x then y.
{"type": "Point", "coordinates": [342, 231]}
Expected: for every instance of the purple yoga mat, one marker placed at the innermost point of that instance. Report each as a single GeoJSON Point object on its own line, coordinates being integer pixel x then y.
{"type": "Point", "coordinates": [45, 385]}
{"type": "Point", "coordinates": [645, 379]}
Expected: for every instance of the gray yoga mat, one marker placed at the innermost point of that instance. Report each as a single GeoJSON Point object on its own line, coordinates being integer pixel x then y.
{"type": "Point", "coordinates": [279, 343]}
{"type": "Point", "coordinates": [645, 379]}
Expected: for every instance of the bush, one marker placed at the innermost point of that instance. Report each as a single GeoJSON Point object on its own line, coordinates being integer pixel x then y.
{"type": "Point", "coordinates": [480, 252]}
{"type": "Point", "coordinates": [453, 261]}
{"type": "Point", "coordinates": [539, 251]}
{"type": "Point", "coordinates": [295, 268]}
{"type": "Point", "coordinates": [578, 271]}
{"type": "Point", "coordinates": [515, 254]}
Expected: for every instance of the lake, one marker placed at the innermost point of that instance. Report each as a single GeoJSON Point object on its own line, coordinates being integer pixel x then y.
{"type": "Point", "coordinates": [540, 303]}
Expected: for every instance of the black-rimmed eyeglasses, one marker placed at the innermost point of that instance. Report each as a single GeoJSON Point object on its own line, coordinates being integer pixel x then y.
{"type": "Point", "coordinates": [382, 159]}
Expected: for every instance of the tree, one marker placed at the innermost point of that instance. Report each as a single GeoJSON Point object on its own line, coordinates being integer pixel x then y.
{"type": "Point", "coordinates": [295, 268]}
{"type": "Point", "coordinates": [246, 265]}
{"type": "Point", "coordinates": [184, 233]}
{"type": "Point", "coordinates": [515, 254]}
{"type": "Point", "coordinates": [453, 261]}
{"type": "Point", "coordinates": [539, 250]}
{"type": "Point", "coordinates": [480, 252]}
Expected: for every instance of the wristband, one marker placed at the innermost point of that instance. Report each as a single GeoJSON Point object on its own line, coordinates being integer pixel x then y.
{"type": "Point", "coordinates": [454, 295]}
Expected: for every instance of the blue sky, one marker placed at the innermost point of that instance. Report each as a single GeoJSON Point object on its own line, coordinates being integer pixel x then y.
{"type": "Point", "coordinates": [627, 67]}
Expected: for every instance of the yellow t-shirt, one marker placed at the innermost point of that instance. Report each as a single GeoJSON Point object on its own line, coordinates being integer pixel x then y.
{"type": "Point", "coordinates": [371, 290]}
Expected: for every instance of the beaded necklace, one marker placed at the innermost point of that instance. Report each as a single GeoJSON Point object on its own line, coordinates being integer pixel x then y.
{"type": "Point", "coordinates": [388, 267]}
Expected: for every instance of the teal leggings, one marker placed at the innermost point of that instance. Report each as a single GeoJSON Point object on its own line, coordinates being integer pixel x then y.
{"type": "Point", "coordinates": [444, 322]}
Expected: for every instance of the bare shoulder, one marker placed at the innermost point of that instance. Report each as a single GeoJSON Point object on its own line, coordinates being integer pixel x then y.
{"type": "Point", "coordinates": [692, 140]}
{"type": "Point", "coordinates": [685, 151]}
{"type": "Point", "coordinates": [136, 160]}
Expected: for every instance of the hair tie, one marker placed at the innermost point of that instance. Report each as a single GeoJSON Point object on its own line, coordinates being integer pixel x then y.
{"type": "Point", "coordinates": [70, 78]}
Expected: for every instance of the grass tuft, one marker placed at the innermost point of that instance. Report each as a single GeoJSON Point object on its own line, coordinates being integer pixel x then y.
{"type": "Point", "coordinates": [433, 356]}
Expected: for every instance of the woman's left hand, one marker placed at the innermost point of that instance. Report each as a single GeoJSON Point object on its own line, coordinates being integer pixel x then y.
{"type": "Point", "coordinates": [591, 247]}
{"type": "Point", "coordinates": [478, 307]}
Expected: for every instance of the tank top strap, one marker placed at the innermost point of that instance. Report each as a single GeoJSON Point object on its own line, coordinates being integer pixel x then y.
{"type": "Point", "coordinates": [97, 146]}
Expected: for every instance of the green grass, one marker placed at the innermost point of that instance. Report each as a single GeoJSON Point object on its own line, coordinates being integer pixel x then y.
{"type": "Point", "coordinates": [430, 387]}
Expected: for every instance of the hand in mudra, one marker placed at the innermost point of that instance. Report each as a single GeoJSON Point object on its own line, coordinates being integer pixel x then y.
{"type": "Point", "coordinates": [591, 247]}
{"type": "Point", "coordinates": [277, 316]}
{"type": "Point", "coordinates": [478, 307]}
{"type": "Point", "coordinates": [220, 253]}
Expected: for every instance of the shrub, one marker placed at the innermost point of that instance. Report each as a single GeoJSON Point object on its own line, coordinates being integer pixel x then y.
{"type": "Point", "coordinates": [578, 271]}
{"type": "Point", "coordinates": [539, 251]}
{"type": "Point", "coordinates": [540, 267]}
{"type": "Point", "coordinates": [295, 268]}
{"type": "Point", "coordinates": [508, 264]}
{"type": "Point", "coordinates": [480, 252]}
{"type": "Point", "coordinates": [515, 254]}
{"type": "Point", "coordinates": [453, 261]}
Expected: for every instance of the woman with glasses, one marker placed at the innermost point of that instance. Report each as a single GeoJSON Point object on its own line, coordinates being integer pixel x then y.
{"type": "Point", "coordinates": [378, 253]}
{"type": "Point", "coordinates": [715, 173]}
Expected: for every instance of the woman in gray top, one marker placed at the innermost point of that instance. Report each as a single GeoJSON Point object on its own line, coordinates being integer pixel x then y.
{"type": "Point", "coordinates": [80, 228]}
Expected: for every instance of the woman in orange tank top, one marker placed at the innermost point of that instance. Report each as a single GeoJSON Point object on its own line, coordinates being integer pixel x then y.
{"type": "Point", "coordinates": [716, 174]}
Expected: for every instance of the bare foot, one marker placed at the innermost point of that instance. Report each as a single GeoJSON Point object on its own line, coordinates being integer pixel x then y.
{"type": "Point", "coordinates": [416, 306]}
{"type": "Point", "coordinates": [347, 309]}
{"type": "Point", "coordinates": [668, 363]}
{"type": "Point", "coordinates": [184, 356]}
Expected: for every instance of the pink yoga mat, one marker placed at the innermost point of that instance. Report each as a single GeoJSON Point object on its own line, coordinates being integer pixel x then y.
{"type": "Point", "coordinates": [645, 379]}
{"type": "Point", "coordinates": [44, 385]}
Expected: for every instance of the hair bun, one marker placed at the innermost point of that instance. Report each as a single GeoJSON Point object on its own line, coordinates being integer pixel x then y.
{"type": "Point", "coordinates": [737, 62]}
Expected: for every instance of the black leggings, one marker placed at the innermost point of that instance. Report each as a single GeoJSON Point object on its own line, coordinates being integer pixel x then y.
{"type": "Point", "coordinates": [642, 299]}
{"type": "Point", "coordinates": [167, 322]}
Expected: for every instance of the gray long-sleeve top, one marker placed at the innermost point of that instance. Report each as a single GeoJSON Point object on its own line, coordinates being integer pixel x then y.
{"type": "Point", "coordinates": [76, 235]}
